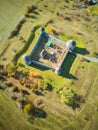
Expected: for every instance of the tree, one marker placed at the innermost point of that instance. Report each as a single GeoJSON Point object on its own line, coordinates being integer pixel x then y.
{"type": "Point", "coordinates": [34, 74]}
{"type": "Point", "coordinates": [51, 31]}
{"type": "Point", "coordinates": [11, 70]}
{"type": "Point", "coordinates": [70, 98]}
{"type": "Point", "coordinates": [42, 84]}
{"type": "Point", "coordinates": [28, 108]}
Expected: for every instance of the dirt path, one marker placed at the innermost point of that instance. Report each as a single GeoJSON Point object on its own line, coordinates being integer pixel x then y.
{"type": "Point", "coordinates": [92, 59]}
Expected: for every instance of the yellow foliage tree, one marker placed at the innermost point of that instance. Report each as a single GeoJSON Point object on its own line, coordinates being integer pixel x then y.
{"type": "Point", "coordinates": [28, 108]}
{"type": "Point", "coordinates": [34, 74]}
{"type": "Point", "coordinates": [51, 31]}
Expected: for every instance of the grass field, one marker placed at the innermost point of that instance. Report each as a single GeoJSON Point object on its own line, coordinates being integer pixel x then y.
{"type": "Point", "coordinates": [10, 117]}
{"type": "Point", "coordinates": [8, 17]}
{"type": "Point", "coordinates": [80, 76]}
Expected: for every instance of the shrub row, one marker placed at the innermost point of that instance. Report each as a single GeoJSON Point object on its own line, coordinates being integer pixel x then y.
{"type": "Point", "coordinates": [29, 9]}
{"type": "Point", "coordinates": [17, 28]}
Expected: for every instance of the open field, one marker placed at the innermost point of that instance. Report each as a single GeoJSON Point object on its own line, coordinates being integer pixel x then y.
{"type": "Point", "coordinates": [69, 22]}
{"type": "Point", "coordinates": [9, 18]}
{"type": "Point", "coordinates": [10, 117]}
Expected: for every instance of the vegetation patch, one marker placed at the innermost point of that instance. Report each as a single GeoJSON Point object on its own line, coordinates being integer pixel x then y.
{"type": "Point", "coordinates": [93, 10]}
{"type": "Point", "coordinates": [70, 98]}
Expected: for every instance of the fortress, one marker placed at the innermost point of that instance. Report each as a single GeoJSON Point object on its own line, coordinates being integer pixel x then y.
{"type": "Point", "coordinates": [49, 52]}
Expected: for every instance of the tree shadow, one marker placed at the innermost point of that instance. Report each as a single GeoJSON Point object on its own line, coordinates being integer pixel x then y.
{"type": "Point", "coordinates": [38, 93]}
{"type": "Point", "coordinates": [76, 102]}
{"type": "Point", "coordinates": [2, 88]}
{"type": "Point", "coordinates": [35, 12]}
{"type": "Point", "coordinates": [25, 92]}
{"type": "Point", "coordinates": [39, 113]}
{"type": "Point", "coordinates": [36, 56]}
{"type": "Point", "coordinates": [31, 16]}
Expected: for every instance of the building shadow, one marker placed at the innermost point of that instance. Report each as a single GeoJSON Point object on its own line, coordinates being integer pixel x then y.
{"type": "Point", "coordinates": [41, 46]}
{"type": "Point", "coordinates": [82, 51]}
{"type": "Point", "coordinates": [67, 64]}
{"type": "Point", "coordinates": [42, 68]}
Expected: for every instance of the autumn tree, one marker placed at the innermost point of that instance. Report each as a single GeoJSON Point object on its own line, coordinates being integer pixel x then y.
{"type": "Point", "coordinates": [28, 108]}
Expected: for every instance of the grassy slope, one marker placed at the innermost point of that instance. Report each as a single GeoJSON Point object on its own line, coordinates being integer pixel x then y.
{"type": "Point", "coordinates": [59, 116]}
{"type": "Point", "coordinates": [10, 117]}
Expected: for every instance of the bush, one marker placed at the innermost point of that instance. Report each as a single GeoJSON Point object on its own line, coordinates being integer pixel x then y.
{"type": "Point", "coordinates": [14, 97]}
{"type": "Point", "coordinates": [13, 33]}
{"type": "Point", "coordinates": [29, 9]}
{"type": "Point", "coordinates": [40, 113]}
{"type": "Point", "coordinates": [9, 84]}
{"type": "Point", "coordinates": [25, 92]}
{"type": "Point", "coordinates": [22, 21]}
{"type": "Point", "coordinates": [93, 9]}
{"type": "Point", "coordinates": [17, 28]}
{"type": "Point", "coordinates": [34, 74]}
{"type": "Point", "coordinates": [42, 84]}
{"type": "Point", "coordinates": [66, 1]}
{"type": "Point", "coordinates": [11, 69]}
{"type": "Point", "coordinates": [15, 89]}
